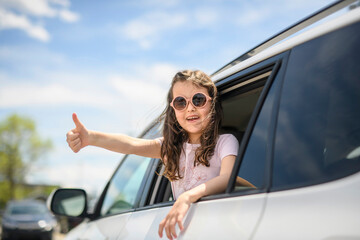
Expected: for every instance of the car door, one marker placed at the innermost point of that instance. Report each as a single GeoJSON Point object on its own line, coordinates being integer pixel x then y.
{"type": "Point", "coordinates": [316, 161]}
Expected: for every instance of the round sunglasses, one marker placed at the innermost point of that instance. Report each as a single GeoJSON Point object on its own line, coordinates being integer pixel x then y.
{"type": "Point", "coordinates": [198, 100]}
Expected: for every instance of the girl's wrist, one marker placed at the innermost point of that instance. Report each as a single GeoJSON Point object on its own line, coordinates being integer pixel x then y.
{"type": "Point", "coordinates": [91, 138]}
{"type": "Point", "coordinates": [185, 197]}
{"type": "Point", "coordinates": [189, 196]}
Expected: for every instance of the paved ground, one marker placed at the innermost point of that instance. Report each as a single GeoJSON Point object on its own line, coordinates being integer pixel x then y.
{"type": "Point", "coordinates": [57, 236]}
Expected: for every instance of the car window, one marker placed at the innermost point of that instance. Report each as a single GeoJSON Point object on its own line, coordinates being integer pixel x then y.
{"type": "Point", "coordinates": [239, 106]}
{"type": "Point", "coordinates": [253, 163]}
{"type": "Point", "coordinates": [318, 129]}
{"type": "Point", "coordinates": [125, 186]}
{"type": "Point", "coordinates": [27, 209]}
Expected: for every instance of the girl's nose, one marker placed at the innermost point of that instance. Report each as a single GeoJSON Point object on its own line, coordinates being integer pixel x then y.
{"type": "Point", "coordinates": [190, 107]}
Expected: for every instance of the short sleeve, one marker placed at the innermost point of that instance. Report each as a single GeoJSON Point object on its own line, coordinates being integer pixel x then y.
{"type": "Point", "coordinates": [227, 145]}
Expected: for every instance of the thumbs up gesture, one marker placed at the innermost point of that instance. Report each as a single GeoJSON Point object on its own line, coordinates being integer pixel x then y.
{"type": "Point", "coordinates": [78, 137]}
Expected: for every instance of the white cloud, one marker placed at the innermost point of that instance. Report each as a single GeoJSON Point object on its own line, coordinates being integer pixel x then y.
{"type": "Point", "coordinates": [10, 20]}
{"type": "Point", "coordinates": [91, 177]}
{"type": "Point", "coordinates": [18, 14]}
{"type": "Point", "coordinates": [25, 94]}
{"type": "Point", "coordinates": [64, 3]}
{"type": "Point", "coordinates": [139, 91]}
{"type": "Point", "coordinates": [159, 73]}
{"type": "Point", "coordinates": [33, 7]}
{"type": "Point", "coordinates": [68, 16]}
{"type": "Point", "coordinates": [150, 84]}
{"type": "Point", "coordinates": [146, 29]}
{"type": "Point", "coordinates": [90, 169]}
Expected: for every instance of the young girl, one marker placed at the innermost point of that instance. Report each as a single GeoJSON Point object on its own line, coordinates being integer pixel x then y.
{"type": "Point", "coordinates": [198, 161]}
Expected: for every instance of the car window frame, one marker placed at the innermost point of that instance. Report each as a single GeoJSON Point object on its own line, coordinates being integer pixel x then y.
{"type": "Point", "coordinates": [97, 213]}
{"type": "Point", "coordinates": [291, 56]}
{"type": "Point", "coordinates": [278, 67]}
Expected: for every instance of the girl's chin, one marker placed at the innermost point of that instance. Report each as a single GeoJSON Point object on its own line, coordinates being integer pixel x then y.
{"type": "Point", "coordinates": [193, 129]}
{"type": "Point", "coordinates": [194, 132]}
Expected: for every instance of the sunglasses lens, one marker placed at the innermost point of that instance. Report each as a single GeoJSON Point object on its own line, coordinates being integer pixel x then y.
{"type": "Point", "coordinates": [199, 100]}
{"type": "Point", "coordinates": [179, 103]}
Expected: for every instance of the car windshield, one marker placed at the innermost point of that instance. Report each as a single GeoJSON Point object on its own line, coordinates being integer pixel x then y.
{"type": "Point", "coordinates": [27, 209]}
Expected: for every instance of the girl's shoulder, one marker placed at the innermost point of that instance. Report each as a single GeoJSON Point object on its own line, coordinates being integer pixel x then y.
{"type": "Point", "coordinates": [227, 140]}
{"type": "Point", "coordinates": [227, 137]}
{"type": "Point", "coordinates": [227, 144]}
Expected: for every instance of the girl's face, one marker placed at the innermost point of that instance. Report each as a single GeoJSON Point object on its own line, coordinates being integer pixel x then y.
{"type": "Point", "coordinates": [193, 120]}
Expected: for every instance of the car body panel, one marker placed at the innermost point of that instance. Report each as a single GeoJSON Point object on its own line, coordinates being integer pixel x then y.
{"type": "Point", "coordinates": [144, 224]}
{"type": "Point", "coordinates": [237, 216]}
{"type": "Point", "coordinates": [104, 228]}
{"type": "Point", "coordinates": [228, 218]}
{"type": "Point", "coordinates": [309, 212]}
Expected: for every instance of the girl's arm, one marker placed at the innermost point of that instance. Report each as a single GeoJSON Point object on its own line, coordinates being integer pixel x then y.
{"type": "Point", "coordinates": [80, 137]}
{"type": "Point", "coordinates": [178, 211]}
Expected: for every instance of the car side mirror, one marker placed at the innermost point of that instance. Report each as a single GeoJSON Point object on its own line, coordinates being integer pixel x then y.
{"type": "Point", "coordinates": [68, 202]}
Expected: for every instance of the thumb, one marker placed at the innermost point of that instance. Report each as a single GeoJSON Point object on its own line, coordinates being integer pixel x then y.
{"type": "Point", "coordinates": [77, 122]}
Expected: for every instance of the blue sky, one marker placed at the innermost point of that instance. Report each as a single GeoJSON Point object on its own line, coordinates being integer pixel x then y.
{"type": "Point", "coordinates": [111, 62]}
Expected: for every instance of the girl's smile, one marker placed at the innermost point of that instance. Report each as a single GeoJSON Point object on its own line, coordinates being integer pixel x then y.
{"type": "Point", "coordinates": [193, 120]}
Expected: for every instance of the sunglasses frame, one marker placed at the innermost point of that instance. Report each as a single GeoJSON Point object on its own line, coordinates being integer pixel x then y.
{"type": "Point", "coordinates": [208, 98]}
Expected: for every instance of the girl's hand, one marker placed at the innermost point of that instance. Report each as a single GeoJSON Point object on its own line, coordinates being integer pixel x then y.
{"type": "Point", "coordinates": [175, 216]}
{"type": "Point", "coordinates": [78, 137]}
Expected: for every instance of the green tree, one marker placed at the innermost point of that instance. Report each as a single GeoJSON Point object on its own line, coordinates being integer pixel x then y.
{"type": "Point", "coordinates": [20, 147]}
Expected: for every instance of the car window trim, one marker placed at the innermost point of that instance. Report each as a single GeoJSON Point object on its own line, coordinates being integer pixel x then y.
{"type": "Point", "coordinates": [155, 189]}
{"type": "Point", "coordinates": [249, 130]}
{"type": "Point", "coordinates": [246, 82]}
{"type": "Point", "coordinates": [274, 120]}
{"type": "Point", "coordinates": [149, 187]}
{"type": "Point", "coordinates": [141, 191]}
{"type": "Point", "coordinates": [277, 63]}
{"type": "Point", "coordinates": [156, 205]}
{"type": "Point", "coordinates": [244, 75]}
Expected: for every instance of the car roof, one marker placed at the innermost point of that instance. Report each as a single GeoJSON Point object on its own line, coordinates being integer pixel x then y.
{"type": "Point", "coordinates": [264, 51]}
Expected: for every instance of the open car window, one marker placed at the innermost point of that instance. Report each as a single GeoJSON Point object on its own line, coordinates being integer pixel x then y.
{"type": "Point", "coordinates": [247, 106]}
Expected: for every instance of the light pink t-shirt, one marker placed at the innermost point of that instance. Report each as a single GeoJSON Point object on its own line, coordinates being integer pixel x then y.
{"type": "Point", "coordinates": [226, 145]}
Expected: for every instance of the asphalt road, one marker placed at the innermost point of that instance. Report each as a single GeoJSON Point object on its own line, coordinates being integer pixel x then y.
{"type": "Point", "coordinates": [57, 236]}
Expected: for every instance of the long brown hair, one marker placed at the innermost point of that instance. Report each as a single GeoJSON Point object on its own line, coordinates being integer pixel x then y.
{"type": "Point", "coordinates": [175, 136]}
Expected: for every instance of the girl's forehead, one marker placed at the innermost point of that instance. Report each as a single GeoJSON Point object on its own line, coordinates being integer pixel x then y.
{"type": "Point", "coordinates": [187, 88]}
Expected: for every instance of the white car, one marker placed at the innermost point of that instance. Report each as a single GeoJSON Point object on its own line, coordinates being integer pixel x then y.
{"type": "Point", "coordinates": [295, 108]}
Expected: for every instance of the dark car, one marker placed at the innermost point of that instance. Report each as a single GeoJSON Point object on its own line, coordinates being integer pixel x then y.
{"type": "Point", "coordinates": [27, 219]}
